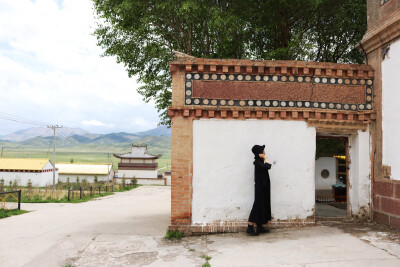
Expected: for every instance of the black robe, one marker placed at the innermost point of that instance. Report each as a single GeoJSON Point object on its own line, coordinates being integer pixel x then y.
{"type": "Point", "coordinates": [261, 211]}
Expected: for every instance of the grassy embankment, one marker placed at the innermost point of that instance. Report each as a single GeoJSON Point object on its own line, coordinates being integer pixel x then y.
{"type": "Point", "coordinates": [8, 213]}
{"type": "Point", "coordinates": [60, 195]}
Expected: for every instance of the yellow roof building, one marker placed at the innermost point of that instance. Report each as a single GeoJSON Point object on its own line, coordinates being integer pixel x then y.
{"type": "Point", "coordinates": [23, 164]}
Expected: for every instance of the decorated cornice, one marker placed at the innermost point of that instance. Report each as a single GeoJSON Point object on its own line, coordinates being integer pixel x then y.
{"type": "Point", "coordinates": [270, 67]}
{"type": "Point", "coordinates": [382, 34]}
{"type": "Point", "coordinates": [295, 92]}
{"type": "Point", "coordinates": [273, 113]}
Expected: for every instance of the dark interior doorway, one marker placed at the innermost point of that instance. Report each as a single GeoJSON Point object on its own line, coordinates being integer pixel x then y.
{"type": "Point", "coordinates": [331, 177]}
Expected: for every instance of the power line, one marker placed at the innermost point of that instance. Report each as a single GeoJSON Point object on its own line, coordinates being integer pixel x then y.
{"type": "Point", "coordinates": [10, 117]}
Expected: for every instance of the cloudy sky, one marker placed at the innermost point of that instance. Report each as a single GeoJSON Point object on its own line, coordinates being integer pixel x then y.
{"type": "Point", "coordinates": [51, 71]}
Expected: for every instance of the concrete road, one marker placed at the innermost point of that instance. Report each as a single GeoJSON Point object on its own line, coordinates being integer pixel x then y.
{"type": "Point", "coordinates": [127, 229]}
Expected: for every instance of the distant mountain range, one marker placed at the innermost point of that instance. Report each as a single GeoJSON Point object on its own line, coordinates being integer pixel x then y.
{"type": "Point", "coordinates": [33, 132]}
{"type": "Point", "coordinates": [81, 135]}
{"type": "Point", "coordinates": [157, 139]}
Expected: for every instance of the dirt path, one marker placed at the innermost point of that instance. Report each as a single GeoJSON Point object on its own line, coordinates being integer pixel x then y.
{"type": "Point", "coordinates": [127, 229]}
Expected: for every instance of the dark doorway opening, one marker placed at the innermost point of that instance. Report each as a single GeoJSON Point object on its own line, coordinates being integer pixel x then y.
{"type": "Point", "coordinates": [331, 177]}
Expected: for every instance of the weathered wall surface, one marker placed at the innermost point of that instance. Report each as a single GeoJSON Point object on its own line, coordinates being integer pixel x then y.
{"type": "Point", "coordinates": [223, 179]}
{"type": "Point", "coordinates": [390, 112]}
{"type": "Point", "coordinates": [137, 174]}
{"type": "Point", "coordinates": [37, 178]}
{"type": "Point", "coordinates": [144, 181]}
{"type": "Point", "coordinates": [89, 178]}
{"type": "Point", "coordinates": [359, 174]}
{"type": "Point", "coordinates": [328, 163]}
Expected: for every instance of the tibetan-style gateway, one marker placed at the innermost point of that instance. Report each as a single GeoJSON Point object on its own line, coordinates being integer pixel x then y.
{"type": "Point", "coordinates": [222, 107]}
{"type": "Point", "coordinates": [139, 164]}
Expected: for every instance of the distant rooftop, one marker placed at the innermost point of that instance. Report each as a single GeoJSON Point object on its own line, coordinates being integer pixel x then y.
{"type": "Point", "coordinates": [138, 152]}
{"type": "Point", "coordinates": [23, 164]}
{"type": "Point", "coordinates": [73, 168]}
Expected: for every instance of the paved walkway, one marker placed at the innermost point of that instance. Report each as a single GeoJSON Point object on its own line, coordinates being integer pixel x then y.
{"type": "Point", "coordinates": [127, 229]}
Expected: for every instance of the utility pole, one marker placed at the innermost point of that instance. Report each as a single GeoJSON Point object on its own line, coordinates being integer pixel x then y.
{"type": "Point", "coordinates": [108, 162]}
{"type": "Point", "coordinates": [2, 148]}
{"type": "Point", "coordinates": [54, 127]}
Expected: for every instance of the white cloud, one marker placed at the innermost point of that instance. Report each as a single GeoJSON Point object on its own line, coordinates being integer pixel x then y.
{"type": "Point", "coordinates": [97, 123]}
{"type": "Point", "coordinates": [51, 70]}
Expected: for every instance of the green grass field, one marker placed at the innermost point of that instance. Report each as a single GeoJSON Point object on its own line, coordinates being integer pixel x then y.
{"type": "Point", "coordinates": [66, 156]}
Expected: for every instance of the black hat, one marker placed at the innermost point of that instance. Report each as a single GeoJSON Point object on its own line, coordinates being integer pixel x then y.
{"type": "Point", "coordinates": [257, 149]}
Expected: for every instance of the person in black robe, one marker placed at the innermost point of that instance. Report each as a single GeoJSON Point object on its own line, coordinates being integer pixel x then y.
{"type": "Point", "coordinates": [261, 212]}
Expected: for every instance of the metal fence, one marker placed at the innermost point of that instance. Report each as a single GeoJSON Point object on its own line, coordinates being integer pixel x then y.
{"type": "Point", "coordinates": [10, 200]}
{"type": "Point", "coordinates": [83, 192]}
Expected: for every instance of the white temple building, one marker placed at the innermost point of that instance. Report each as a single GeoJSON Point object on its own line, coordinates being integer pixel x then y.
{"type": "Point", "coordinates": [139, 164]}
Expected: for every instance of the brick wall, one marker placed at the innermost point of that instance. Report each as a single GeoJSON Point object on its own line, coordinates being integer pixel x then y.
{"type": "Point", "coordinates": [387, 202]}
{"type": "Point", "coordinates": [383, 28]}
{"type": "Point", "coordinates": [181, 157]}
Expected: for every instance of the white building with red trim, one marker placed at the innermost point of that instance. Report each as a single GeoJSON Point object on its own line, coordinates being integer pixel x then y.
{"type": "Point", "coordinates": [139, 164]}
{"type": "Point", "coordinates": [38, 171]}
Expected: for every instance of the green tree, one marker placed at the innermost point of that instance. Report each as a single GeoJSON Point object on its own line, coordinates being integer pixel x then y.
{"type": "Point", "coordinates": [143, 34]}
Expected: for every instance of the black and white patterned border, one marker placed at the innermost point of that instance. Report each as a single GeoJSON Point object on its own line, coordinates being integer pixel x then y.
{"type": "Point", "coordinates": [189, 100]}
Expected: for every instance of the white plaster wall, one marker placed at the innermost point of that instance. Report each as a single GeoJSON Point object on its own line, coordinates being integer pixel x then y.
{"type": "Point", "coordinates": [37, 178]}
{"type": "Point", "coordinates": [143, 181]}
{"type": "Point", "coordinates": [390, 109]}
{"type": "Point", "coordinates": [168, 178]}
{"type": "Point", "coordinates": [359, 172]}
{"type": "Point", "coordinates": [322, 163]}
{"type": "Point", "coordinates": [137, 174]}
{"type": "Point", "coordinates": [89, 178]}
{"type": "Point", "coordinates": [223, 170]}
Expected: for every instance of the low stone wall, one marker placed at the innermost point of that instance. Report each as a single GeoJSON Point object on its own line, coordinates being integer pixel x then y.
{"type": "Point", "coordinates": [386, 202]}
